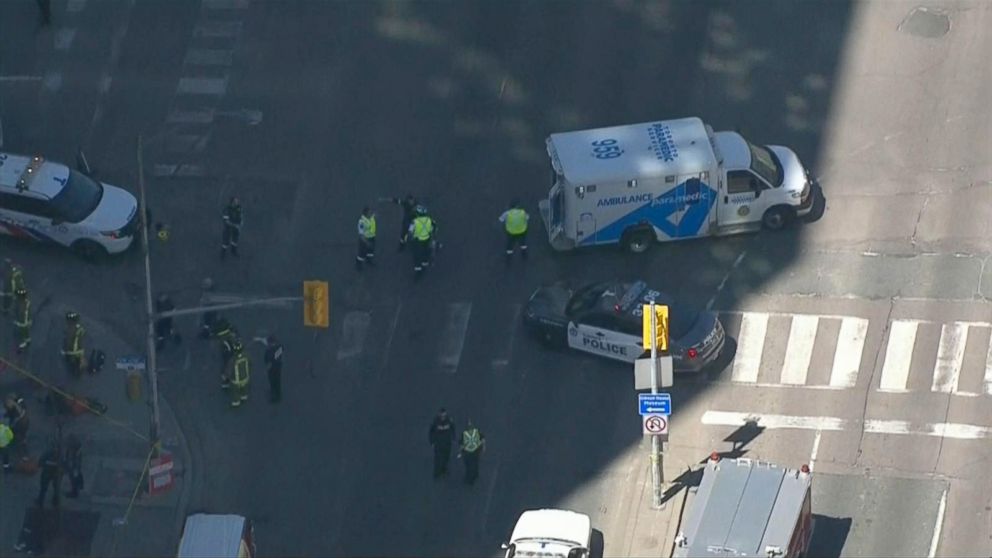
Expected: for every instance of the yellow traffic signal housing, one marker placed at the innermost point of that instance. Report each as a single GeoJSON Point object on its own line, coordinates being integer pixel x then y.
{"type": "Point", "coordinates": [316, 304]}
{"type": "Point", "coordinates": [661, 311]}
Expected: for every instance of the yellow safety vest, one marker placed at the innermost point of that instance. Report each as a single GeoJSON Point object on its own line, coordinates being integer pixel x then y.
{"type": "Point", "coordinates": [366, 225]}
{"type": "Point", "coordinates": [471, 440]}
{"type": "Point", "coordinates": [15, 280]}
{"type": "Point", "coordinates": [422, 228]}
{"type": "Point", "coordinates": [516, 221]}
{"type": "Point", "coordinates": [6, 436]}
{"type": "Point", "coordinates": [74, 342]}
{"type": "Point", "coordinates": [24, 312]}
{"type": "Point", "coordinates": [241, 369]}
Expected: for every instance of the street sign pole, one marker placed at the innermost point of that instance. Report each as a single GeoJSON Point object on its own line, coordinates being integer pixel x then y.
{"type": "Point", "coordinates": [149, 309]}
{"type": "Point", "coordinates": [657, 458]}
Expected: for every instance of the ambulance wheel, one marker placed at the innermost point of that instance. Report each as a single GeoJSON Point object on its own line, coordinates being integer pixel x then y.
{"type": "Point", "coordinates": [88, 250]}
{"type": "Point", "coordinates": [637, 241]}
{"type": "Point", "coordinates": [777, 218]}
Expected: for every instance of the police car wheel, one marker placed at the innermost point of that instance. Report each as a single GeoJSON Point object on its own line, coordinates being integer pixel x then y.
{"type": "Point", "coordinates": [88, 250]}
{"type": "Point", "coordinates": [776, 218]}
{"type": "Point", "coordinates": [637, 241]}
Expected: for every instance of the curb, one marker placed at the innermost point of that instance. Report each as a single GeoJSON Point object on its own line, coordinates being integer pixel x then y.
{"type": "Point", "coordinates": [187, 470]}
{"type": "Point", "coordinates": [675, 521]}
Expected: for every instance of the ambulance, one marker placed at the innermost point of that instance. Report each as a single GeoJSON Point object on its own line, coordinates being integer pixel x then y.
{"type": "Point", "coordinates": [667, 180]}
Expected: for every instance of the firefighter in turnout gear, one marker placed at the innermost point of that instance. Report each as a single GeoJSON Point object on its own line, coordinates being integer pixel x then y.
{"type": "Point", "coordinates": [409, 206]}
{"type": "Point", "coordinates": [473, 444]}
{"type": "Point", "coordinates": [13, 280]}
{"type": "Point", "coordinates": [366, 239]}
{"type": "Point", "coordinates": [515, 221]}
{"type": "Point", "coordinates": [22, 320]}
{"type": "Point", "coordinates": [72, 344]}
{"type": "Point", "coordinates": [240, 370]}
{"type": "Point", "coordinates": [422, 230]}
{"type": "Point", "coordinates": [233, 218]}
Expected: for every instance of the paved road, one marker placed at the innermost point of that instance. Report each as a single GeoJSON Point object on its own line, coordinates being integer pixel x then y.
{"type": "Point", "coordinates": [452, 102]}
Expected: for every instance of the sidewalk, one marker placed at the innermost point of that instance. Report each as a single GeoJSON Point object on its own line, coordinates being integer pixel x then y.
{"type": "Point", "coordinates": [114, 449]}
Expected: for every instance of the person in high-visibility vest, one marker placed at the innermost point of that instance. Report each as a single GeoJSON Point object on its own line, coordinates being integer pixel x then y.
{"type": "Point", "coordinates": [22, 320]}
{"type": "Point", "coordinates": [473, 444]}
{"type": "Point", "coordinates": [13, 280]}
{"type": "Point", "coordinates": [72, 344]}
{"type": "Point", "coordinates": [515, 221]}
{"type": "Point", "coordinates": [366, 239]}
{"type": "Point", "coordinates": [240, 374]}
{"type": "Point", "coordinates": [6, 442]}
{"type": "Point", "coordinates": [422, 230]}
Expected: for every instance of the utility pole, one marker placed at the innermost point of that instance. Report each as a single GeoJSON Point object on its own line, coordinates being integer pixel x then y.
{"type": "Point", "coordinates": [150, 310]}
{"type": "Point", "coordinates": [657, 457]}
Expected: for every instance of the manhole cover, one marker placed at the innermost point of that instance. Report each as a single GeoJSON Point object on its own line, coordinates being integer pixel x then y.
{"type": "Point", "coordinates": [926, 22]}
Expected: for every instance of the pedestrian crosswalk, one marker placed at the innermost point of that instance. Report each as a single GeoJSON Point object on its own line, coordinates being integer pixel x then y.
{"type": "Point", "coordinates": [773, 349]}
{"type": "Point", "coordinates": [797, 350]}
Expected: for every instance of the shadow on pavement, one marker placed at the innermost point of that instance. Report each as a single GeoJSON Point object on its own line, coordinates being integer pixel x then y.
{"type": "Point", "coordinates": [829, 535]}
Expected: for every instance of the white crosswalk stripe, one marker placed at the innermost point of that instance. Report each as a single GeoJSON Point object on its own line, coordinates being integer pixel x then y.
{"type": "Point", "coordinates": [799, 351]}
{"type": "Point", "coordinates": [847, 356]}
{"type": "Point", "coordinates": [898, 355]}
{"type": "Point", "coordinates": [910, 349]}
{"type": "Point", "coordinates": [950, 355]}
{"type": "Point", "coordinates": [750, 344]}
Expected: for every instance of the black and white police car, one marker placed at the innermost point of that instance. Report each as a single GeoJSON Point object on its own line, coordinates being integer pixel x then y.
{"type": "Point", "coordinates": [606, 319]}
{"type": "Point", "coordinates": [49, 202]}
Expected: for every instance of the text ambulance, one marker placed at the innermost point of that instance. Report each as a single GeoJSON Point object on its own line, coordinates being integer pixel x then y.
{"type": "Point", "coordinates": [667, 180]}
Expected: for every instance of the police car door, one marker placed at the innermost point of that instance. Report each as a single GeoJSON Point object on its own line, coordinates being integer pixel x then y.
{"type": "Point", "coordinates": [26, 216]}
{"type": "Point", "coordinates": [600, 335]}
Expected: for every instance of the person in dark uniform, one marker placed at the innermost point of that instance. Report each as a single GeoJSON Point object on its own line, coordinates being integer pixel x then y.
{"type": "Point", "coordinates": [409, 206]}
{"type": "Point", "coordinates": [51, 474]}
{"type": "Point", "coordinates": [441, 436]}
{"type": "Point", "coordinates": [163, 326]}
{"type": "Point", "coordinates": [273, 358]}
{"type": "Point", "coordinates": [73, 462]}
{"type": "Point", "coordinates": [233, 219]}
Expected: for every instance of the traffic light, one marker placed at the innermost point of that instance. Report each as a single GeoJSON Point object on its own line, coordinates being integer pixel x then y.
{"type": "Point", "coordinates": [661, 311]}
{"type": "Point", "coordinates": [316, 305]}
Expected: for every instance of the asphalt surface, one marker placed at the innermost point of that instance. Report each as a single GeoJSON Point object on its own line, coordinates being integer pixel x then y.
{"type": "Point", "coordinates": [309, 110]}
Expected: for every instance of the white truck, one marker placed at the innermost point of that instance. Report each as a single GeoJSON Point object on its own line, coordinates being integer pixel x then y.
{"type": "Point", "coordinates": [550, 534]}
{"type": "Point", "coordinates": [667, 180]}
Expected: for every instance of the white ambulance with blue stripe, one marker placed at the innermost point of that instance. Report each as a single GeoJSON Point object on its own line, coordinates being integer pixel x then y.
{"type": "Point", "coordinates": [667, 180]}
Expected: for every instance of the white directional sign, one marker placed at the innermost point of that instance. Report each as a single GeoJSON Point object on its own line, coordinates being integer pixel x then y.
{"type": "Point", "coordinates": [655, 424]}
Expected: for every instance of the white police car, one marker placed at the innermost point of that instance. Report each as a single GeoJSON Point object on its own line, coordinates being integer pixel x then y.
{"type": "Point", "coordinates": [49, 202]}
{"type": "Point", "coordinates": [606, 319]}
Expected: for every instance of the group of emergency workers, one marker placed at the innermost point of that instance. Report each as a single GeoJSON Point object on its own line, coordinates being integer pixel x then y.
{"type": "Point", "coordinates": [419, 228]}
{"type": "Point", "coordinates": [16, 298]}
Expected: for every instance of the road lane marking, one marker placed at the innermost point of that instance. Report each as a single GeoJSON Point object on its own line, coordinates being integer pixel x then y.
{"type": "Point", "coordinates": [750, 343]}
{"type": "Point", "coordinates": [13, 79]}
{"type": "Point", "coordinates": [723, 282]}
{"type": "Point", "coordinates": [938, 525]}
{"type": "Point", "coordinates": [988, 368]}
{"type": "Point", "coordinates": [952, 430]}
{"type": "Point", "coordinates": [209, 57]}
{"type": "Point", "coordinates": [847, 357]}
{"type": "Point", "coordinates": [354, 330]}
{"type": "Point", "coordinates": [950, 356]}
{"type": "Point", "coordinates": [510, 336]}
{"type": "Point", "coordinates": [799, 351]}
{"type": "Point", "coordinates": [453, 336]}
{"type": "Point", "coordinates": [727, 418]}
{"type": "Point", "coordinates": [816, 447]}
{"type": "Point", "coordinates": [202, 86]}
{"type": "Point", "coordinates": [178, 116]}
{"type": "Point", "coordinates": [898, 355]}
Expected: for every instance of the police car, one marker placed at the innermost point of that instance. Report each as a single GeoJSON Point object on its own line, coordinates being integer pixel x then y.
{"type": "Point", "coordinates": [606, 319]}
{"type": "Point", "coordinates": [49, 202]}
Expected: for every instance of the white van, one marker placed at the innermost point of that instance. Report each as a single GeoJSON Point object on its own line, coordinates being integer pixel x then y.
{"type": "Point", "coordinates": [217, 536]}
{"type": "Point", "coordinates": [46, 201]}
{"type": "Point", "coordinates": [667, 180]}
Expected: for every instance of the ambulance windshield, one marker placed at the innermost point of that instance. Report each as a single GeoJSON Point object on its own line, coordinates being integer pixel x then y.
{"type": "Point", "coordinates": [765, 164]}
